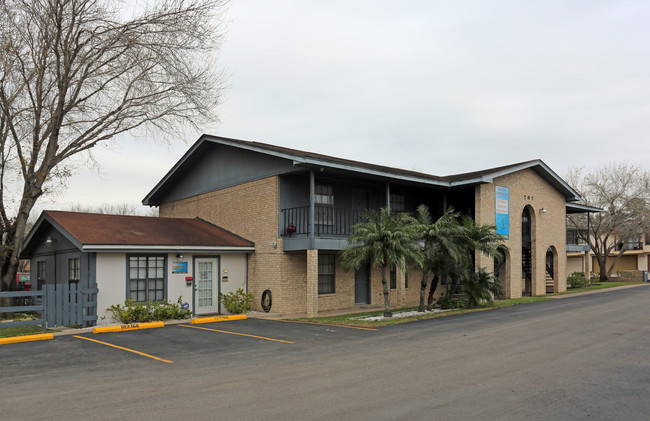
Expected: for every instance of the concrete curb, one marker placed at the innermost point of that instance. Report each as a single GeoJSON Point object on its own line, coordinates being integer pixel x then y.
{"type": "Point", "coordinates": [218, 318]}
{"type": "Point", "coordinates": [26, 338]}
{"type": "Point", "coordinates": [124, 328]}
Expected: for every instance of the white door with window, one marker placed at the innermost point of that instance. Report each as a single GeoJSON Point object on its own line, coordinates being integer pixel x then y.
{"type": "Point", "coordinates": [206, 286]}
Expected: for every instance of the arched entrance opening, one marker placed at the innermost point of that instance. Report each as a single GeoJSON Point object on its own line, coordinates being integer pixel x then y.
{"type": "Point", "coordinates": [526, 253]}
{"type": "Point", "coordinates": [501, 272]}
{"type": "Point", "coordinates": [551, 269]}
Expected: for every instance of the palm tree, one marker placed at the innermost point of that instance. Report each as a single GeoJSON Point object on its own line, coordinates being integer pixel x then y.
{"type": "Point", "coordinates": [383, 239]}
{"type": "Point", "coordinates": [482, 238]}
{"type": "Point", "coordinates": [443, 251]}
{"type": "Point", "coordinates": [481, 286]}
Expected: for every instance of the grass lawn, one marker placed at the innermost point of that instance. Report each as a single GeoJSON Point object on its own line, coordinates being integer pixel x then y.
{"type": "Point", "coordinates": [7, 332]}
{"type": "Point", "coordinates": [352, 319]}
{"type": "Point", "coordinates": [598, 285]}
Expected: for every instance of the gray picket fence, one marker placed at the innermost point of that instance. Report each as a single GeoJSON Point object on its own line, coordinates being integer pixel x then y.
{"type": "Point", "coordinates": [60, 305]}
{"type": "Point", "coordinates": [33, 303]}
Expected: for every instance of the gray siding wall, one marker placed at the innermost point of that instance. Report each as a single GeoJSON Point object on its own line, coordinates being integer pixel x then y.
{"type": "Point", "coordinates": [223, 166]}
{"type": "Point", "coordinates": [56, 257]}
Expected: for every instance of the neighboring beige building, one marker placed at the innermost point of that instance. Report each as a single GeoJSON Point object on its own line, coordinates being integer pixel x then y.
{"type": "Point", "coordinates": [298, 208]}
{"type": "Point", "coordinates": [636, 257]}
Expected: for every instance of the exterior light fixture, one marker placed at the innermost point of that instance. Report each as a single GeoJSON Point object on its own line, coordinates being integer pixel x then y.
{"type": "Point", "coordinates": [50, 241]}
{"type": "Point", "coordinates": [179, 255]}
{"type": "Point", "coordinates": [542, 210]}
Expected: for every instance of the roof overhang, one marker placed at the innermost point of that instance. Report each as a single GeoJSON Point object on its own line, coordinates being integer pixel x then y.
{"type": "Point", "coordinates": [164, 248]}
{"type": "Point", "coordinates": [577, 208]}
{"type": "Point", "coordinates": [538, 166]}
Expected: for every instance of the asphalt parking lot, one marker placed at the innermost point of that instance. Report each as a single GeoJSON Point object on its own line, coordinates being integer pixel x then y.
{"type": "Point", "coordinates": [582, 357]}
{"type": "Point", "coordinates": [171, 344]}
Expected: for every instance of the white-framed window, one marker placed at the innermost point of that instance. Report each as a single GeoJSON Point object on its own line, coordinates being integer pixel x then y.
{"type": "Point", "coordinates": [324, 201]}
{"type": "Point", "coordinates": [326, 269]}
{"type": "Point", "coordinates": [146, 278]}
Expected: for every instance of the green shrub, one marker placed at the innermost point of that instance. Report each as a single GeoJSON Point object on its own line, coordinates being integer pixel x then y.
{"type": "Point", "coordinates": [133, 312]}
{"type": "Point", "coordinates": [577, 280]}
{"type": "Point", "coordinates": [447, 303]}
{"type": "Point", "coordinates": [236, 302]}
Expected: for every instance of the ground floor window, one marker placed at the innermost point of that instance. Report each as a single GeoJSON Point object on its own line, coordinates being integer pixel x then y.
{"type": "Point", "coordinates": [41, 274]}
{"type": "Point", "coordinates": [146, 278]}
{"type": "Point", "coordinates": [73, 271]}
{"type": "Point", "coordinates": [393, 277]}
{"type": "Point", "coordinates": [325, 273]}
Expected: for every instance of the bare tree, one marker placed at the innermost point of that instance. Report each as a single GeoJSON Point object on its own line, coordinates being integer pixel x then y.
{"type": "Point", "coordinates": [123, 208]}
{"type": "Point", "coordinates": [623, 191]}
{"type": "Point", "coordinates": [76, 73]}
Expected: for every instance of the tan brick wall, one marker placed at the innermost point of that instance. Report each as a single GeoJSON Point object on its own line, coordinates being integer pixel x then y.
{"type": "Point", "coordinates": [251, 211]}
{"type": "Point", "coordinates": [528, 189]}
{"type": "Point", "coordinates": [312, 283]}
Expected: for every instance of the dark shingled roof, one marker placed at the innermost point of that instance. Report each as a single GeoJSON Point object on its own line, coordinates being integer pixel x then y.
{"type": "Point", "coordinates": [311, 159]}
{"type": "Point", "coordinates": [92, 228]}
{"type": "Point", "coordinates": [332, 159]}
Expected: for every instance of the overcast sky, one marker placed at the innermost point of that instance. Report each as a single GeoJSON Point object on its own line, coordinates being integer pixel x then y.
{"type": "Point", "coordinates": [435, 86]}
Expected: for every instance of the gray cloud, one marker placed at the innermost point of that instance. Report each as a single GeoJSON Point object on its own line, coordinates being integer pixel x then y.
{"type": "Point", "coordinates": [441, 87]}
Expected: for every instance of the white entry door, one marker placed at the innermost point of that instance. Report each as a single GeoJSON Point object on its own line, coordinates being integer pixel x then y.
{"type": "Point", "coordinates": [206, 286]}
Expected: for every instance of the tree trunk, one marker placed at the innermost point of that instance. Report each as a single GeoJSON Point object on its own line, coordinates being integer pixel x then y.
{"type": "Point", "coordinates": [14, 238]}
{"type": "Point", "coordinates": [384, 284]}
{"type": "Point", "coordinates": [602, 266]}
{"type": "Point", "coordinates": [423, 289]}
{"type": "Point", "coordinates": [8, 266]}
{"type": "Point", "coordinates": [432, 291]}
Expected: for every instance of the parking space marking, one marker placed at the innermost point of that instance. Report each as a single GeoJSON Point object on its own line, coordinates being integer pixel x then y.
{"type": "Point", "coordinates": [321, 324]}
{"type": "Point", "coordinates": [125, 349]}
{"type": "Point", "coordinates": [235, 333]}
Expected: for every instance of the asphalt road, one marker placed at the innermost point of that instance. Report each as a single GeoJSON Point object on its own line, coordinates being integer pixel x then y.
{"type": "Point", "coordinates": [568, 359]}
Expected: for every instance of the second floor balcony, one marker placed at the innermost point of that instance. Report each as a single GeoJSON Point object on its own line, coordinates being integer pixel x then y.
{"type": "Point", "coordinates": [576, 240]}
{"type": "Point", "coordinates": [329, 221]}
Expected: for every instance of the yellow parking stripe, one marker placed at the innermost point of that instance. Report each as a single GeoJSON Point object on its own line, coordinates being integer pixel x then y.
{"type": "Point", "coordinates": [235, 333]}
{"type": "Point", "coordinates": [125, 349]}
{"type": "Point", "coordinates": [322, 324]}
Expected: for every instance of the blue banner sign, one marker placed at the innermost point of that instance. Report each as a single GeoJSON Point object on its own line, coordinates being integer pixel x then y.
{"type": "Point", "coordinates": [502, 203]}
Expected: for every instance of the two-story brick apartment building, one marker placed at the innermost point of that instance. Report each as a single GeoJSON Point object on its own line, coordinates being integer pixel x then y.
{"type": "Point", "coordinates": [298, 208]}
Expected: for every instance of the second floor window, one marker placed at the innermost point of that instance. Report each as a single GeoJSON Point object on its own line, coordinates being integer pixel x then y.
{"type": "Point", "coordinates": [324, 200]}
{"type": "Point", "coordinates": [397, 203]}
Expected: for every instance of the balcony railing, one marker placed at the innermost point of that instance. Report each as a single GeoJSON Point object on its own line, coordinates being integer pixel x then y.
{"type": "Point", "coordinates": [328, 221]}
{"type": "Point", "coordinates": [576, 237]}
{"type": "Point", "coordinates": [631, 245]}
